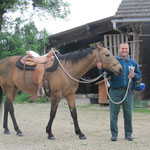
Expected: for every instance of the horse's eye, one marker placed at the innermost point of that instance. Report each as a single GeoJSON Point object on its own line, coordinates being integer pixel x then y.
{"type": "Point", "coordinates": [107, 55]}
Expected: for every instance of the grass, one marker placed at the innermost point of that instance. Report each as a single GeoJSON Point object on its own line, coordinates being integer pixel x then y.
{"type": "Point", "coordinates": [97, 108]}
{"type": "Point", "coordinates": [141, 110]}
{"type": "Point", "coordinates": [22, 98]}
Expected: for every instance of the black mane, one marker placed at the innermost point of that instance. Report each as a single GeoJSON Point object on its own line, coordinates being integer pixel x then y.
{"type": "Point", "coordinates": [76, 55]}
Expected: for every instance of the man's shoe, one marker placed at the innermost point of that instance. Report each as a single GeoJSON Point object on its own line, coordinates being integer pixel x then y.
{"type": "Point", "coordinates": [113, 138]}
{"type": "Point", "coordinates": [129, 138]}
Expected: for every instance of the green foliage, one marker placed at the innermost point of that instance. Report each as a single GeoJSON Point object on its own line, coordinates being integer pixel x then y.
{"type": "Point", "coordinates": [19, 35]}
{"type": "Point", "coordinates": [41, 100]}
{"type": "Point", "coordinates": [94, 44]}
{"type": "Point", "coordinates": [57, 8]}
{"type": "Point", "coordinates": [22, 98]}
{"type": "Point", "coordinates": [54, 8]}
{"type": "Point", "coordinates": [22, 39]}
{"type": "Point", "coordinates": [142, 110]}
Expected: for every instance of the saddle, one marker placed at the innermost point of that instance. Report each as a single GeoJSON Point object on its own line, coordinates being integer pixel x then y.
{"type": "Point", "coordinates": [41, 63]}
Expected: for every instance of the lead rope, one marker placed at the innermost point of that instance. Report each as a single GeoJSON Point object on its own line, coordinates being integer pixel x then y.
{"type": "Point", "coordinates": [106, 83]}
{"type": "Point", "coordinates": [84, 80]}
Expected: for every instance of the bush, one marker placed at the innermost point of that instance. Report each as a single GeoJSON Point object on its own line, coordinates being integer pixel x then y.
{"type": "Point", "coordinates": [25, 98]}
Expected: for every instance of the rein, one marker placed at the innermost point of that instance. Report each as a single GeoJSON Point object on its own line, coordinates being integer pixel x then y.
{"type": "Point", "coordinates": [106, 82]}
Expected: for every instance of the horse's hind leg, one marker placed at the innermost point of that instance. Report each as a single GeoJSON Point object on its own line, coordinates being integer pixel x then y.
{"type": "Point", "coordinates": [5, 122]}
{"type": "Point", "coordinates": [8, 107]}
{"type": "Point", "coordinates": [72, 107]}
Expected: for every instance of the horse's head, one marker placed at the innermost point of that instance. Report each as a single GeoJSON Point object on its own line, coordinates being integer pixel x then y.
{"type": "Point", "coordinates": [108, 61]}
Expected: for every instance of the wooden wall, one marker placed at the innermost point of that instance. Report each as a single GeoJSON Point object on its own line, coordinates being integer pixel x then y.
{"type": "Point", "coordinates": [144, 59]}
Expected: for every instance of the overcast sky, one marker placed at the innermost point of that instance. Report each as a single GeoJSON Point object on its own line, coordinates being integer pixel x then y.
{"type": "Point", "coordinates": [82, 12]}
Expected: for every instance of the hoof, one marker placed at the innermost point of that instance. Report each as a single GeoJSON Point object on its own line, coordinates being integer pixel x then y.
{"type": "Point", "coordinates": [6, 132]}
{"type": "Point", "coordinates": [82, 137]}
{"type": "Point", "coordinates": [19, 134]}
{"type": "Point", "coordinates": [51, 137]}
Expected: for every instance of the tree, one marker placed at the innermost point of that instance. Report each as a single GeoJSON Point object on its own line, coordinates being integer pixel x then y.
{"type": "Point", "coordinates": [22, 39]}
{"type": "Point", "coordinates": [55, 8]}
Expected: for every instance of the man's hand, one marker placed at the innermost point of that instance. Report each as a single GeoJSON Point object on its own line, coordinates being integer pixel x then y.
{"type": "Point", "coordinates": [131, 74]}
{"type": "Point", "coordinates": [99, 65]}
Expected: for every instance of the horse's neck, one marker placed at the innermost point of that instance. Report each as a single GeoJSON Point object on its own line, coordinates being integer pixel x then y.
{"type": "Point", "coordinates": [80, 68]}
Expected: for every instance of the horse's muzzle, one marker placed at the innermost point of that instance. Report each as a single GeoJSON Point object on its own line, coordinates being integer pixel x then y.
{"type": "Point", "coordinates": [118, 71]}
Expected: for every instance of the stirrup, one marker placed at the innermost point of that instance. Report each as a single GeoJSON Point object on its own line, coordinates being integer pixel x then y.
{"type": "Point", "coordinates": [39, 92]}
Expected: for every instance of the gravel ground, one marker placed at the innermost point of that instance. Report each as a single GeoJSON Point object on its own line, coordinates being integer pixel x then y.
{"type": "Point", "coordinates": [94, 123]}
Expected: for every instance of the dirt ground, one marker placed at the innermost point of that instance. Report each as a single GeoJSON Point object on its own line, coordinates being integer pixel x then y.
{"type": "Point", "coordinates": [94, 123]}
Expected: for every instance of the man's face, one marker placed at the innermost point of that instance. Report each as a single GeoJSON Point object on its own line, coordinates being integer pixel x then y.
{"type": "Point", "coordinates": [124, 50]}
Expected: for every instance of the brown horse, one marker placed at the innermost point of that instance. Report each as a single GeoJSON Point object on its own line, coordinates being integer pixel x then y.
{"type": "Point", "coordinates": [61, 86]}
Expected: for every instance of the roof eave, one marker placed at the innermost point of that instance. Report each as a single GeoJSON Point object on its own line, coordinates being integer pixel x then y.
{"type": "Point", "coordinates": [127, 20]}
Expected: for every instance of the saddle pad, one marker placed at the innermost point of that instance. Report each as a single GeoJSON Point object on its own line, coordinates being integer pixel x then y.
{"type": "Point", "coordinates": [32, 68]}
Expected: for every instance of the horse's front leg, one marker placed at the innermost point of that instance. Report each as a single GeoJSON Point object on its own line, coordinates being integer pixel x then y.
{"type": "Point", "coordinates": [54, 105]}
{"type": "Point", "coordinates": [72, 107]}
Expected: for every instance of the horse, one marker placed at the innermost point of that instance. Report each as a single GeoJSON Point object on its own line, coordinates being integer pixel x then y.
{"type": "Point", "coordinates": [76, 63]}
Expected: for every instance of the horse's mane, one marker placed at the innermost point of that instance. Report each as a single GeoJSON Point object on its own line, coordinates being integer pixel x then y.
{"type": "Point", "coordinates": [76, 55]}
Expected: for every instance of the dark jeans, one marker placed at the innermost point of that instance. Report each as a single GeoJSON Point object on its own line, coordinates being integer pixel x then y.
{"type": "Point", "coordinates": [127, 105]}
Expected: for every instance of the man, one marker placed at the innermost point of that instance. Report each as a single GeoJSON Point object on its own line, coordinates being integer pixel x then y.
{"type": "Point", "coordinates": [118, 87]}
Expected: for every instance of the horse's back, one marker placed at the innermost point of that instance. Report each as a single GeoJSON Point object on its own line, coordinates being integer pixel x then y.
{"type": "Point", "coordinates": [7, 68]}
{"type": "Point", "coordinates": [9, 61]}
{"type": "Point", "coordinates": [8, 65]}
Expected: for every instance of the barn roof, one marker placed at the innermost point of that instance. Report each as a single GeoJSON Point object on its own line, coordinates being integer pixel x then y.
{"type": "Point", "coordinates": [82, 36]}
{"type": "Point", "coordinates": [133, 9]}
{"type": "Point", "coordinates": [82, 32]}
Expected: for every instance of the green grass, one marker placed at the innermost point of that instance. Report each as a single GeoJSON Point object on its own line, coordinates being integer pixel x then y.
{"type": "Point", "coordinates": [22, 98]}
{"type": "Point", "coordinates": [141, 110]}
{"type": "Point", "coordinates": [96, 107]}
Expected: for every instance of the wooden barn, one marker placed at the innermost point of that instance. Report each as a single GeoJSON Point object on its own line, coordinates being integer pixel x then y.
{"type": "Point", "coordinates": [131, 24]}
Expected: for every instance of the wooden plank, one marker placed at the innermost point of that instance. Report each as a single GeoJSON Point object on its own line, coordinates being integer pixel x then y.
{"type": "Point", "coordinates": [126, 39]}
{"type": "Point", "coordinates": [122, 38]}
{"type": "Point", "coordinates": [118, 40]}
{"type": "Point", "coordinates": [105, 41]}
{"type": "Point", "coordinates": [115, 45]}
{"type": "Point", "coordinates": [110, 43]}
{"type": "Point", "coordinates": [131, 48]}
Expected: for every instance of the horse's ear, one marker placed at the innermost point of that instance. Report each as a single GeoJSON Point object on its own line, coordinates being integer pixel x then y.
{"type": "Point", "coordinates": [98, 45]}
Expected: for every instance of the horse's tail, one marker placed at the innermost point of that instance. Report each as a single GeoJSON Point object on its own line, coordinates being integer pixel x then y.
{"type": "Point", "coordinates": [1, 101]}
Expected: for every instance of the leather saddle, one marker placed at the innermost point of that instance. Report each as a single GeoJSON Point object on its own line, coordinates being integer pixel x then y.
{"type": "Point", "coordinates": [41, 63]}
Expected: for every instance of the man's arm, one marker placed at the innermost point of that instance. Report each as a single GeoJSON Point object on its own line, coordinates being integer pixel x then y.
{"type": "Point", "coordinates": [137, 74]}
